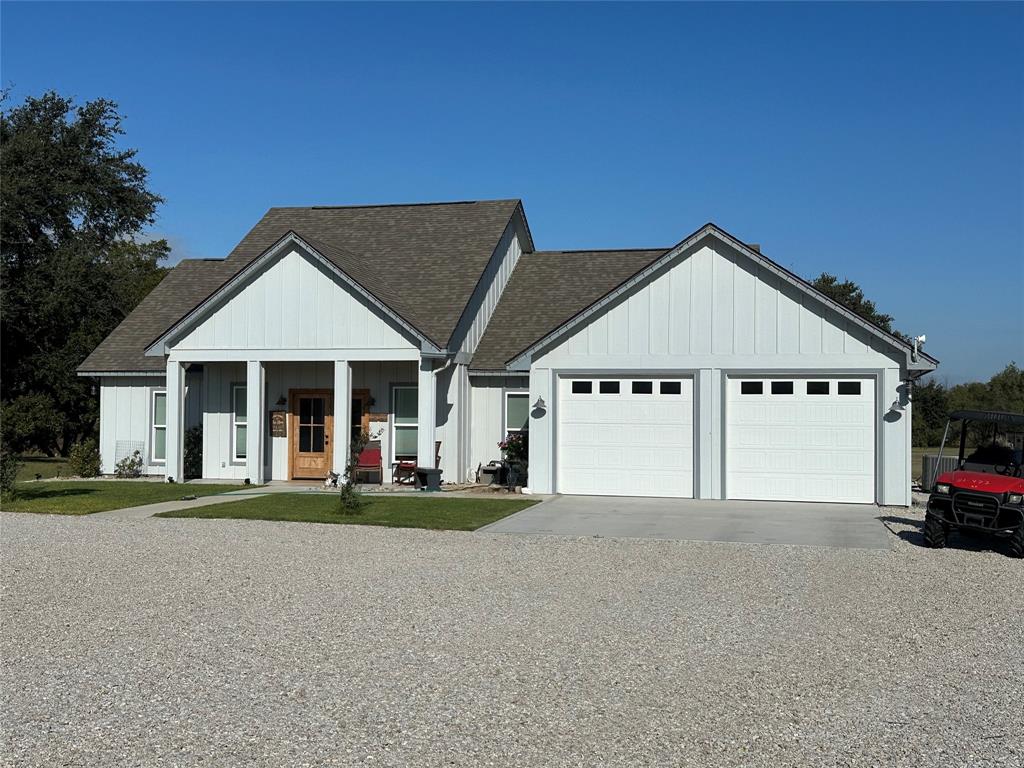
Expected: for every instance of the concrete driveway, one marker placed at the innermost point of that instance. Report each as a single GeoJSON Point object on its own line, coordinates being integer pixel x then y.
{"type": "Point", "coordinates": [851, 526]}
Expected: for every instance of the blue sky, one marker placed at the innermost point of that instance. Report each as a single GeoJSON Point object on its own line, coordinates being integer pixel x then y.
{"type": "Point", "coordinates": [884, 143]}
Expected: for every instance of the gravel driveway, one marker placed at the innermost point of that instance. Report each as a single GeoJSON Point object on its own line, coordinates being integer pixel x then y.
{"type": "Point", "coordinates": [221, 643]}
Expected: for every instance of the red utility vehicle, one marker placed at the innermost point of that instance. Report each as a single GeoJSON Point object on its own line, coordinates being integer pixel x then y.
{"type": "Point", "coordinates": [985, 493]}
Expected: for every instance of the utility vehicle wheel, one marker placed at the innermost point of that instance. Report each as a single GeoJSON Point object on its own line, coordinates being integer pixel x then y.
{"type": "Point", "coordinates": [935, 532]}
{"type": "Point", "coordinates": [1017, 542]}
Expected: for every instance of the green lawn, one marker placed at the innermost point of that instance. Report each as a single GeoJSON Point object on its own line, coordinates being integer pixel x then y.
{"type": "Point", "coordinates": [85, 497]}
{"type": "Point", "coordinates": [45, 466]}
{"type": "Point", "coordinates": [412, 511]}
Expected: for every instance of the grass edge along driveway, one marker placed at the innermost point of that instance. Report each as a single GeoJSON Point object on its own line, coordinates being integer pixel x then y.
{"type": "Point", "coordinates": [398, 511]}
{"type": "Point", "coordinates": [83, 497]}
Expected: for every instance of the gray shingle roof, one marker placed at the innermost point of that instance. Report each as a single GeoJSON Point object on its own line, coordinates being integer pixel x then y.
{"type": "Point", "coordinates": [548, 288]}
{"type": "Point", "coordinates": [422, 260]}
{"type": "Point", "coordinates": [184, 286]}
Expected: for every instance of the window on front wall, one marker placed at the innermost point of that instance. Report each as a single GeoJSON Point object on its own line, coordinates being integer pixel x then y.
{"type": "Point", "coordinates": [517, 411]}
{"type": "Point", "coordinates": [159, 441]}
{"type": "Point", "coordinates": [239, 422]}
{"type": "Point", "coordinates": [405, 406]}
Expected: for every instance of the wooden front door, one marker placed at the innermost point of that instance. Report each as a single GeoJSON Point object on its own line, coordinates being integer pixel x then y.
{"type": "Point", "coordinates": [311, 431]}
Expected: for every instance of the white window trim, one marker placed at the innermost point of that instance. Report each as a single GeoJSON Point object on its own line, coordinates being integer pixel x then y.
{"type": "Point", "coordinates": [153, 427]}
{"type": "Point", "coordinates": [395, 426]}
{"type": "Point", "coordinates": [504, 410]}
{"type": "Point", "coordinates": [235, 423]}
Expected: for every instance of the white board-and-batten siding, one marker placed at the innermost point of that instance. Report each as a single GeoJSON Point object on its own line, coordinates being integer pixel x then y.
{"type": "Point", "coordinates": [716, 305]}
{"type": "Point", "coordinates": [492, 283]}
{"type": "Point", "coordinates": [487, 415]}
{"type": "Point", "coordinates": [294, 303]}
{"type": "Point", "coordinates": [126, 417]}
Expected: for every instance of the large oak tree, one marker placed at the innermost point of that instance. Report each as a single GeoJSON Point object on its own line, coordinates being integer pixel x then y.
{"type": "Point", "coordinates": [73, 264]}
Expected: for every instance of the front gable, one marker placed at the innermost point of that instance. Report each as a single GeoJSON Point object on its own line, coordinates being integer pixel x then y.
{"type": "Point", "coordinates": [711, 300]}
{"type": "Point", "coordinates": [291, 300]}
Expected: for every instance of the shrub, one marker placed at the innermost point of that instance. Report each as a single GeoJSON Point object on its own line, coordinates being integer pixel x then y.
{"type": "Point", "coordinates": [129, 466]}
{"type": "Point", "coordinates": [9, 466]}
{"type": "Point", "coordinates": [84, 458]}
{"type": "Point", "coordinates": [31, 422]}
{"type": "Point", "coordinates": [350, 501]}
{"type": "Point", "coordinates": [193, 453]}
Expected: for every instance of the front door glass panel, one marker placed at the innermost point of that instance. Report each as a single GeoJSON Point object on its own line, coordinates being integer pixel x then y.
{"type": "Point", "coordinates": [312, 424]}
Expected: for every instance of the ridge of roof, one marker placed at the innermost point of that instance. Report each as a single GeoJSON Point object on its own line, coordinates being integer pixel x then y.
{"type": "Point", "coordinates": [425, 204]}
{"type": "Point", "coordinates": [601, 250]}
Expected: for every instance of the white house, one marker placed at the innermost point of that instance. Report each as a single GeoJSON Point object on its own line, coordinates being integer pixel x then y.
{"type": "Point", "coordinates": [702, 370]}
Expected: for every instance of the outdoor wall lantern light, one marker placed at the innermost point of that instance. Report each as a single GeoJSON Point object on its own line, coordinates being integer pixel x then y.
{"type": "Point", "coordinates": [540, 405]}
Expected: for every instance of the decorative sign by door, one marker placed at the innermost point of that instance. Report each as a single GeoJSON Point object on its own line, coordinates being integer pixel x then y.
{"type": "Point", "coordinates": [279, 423]}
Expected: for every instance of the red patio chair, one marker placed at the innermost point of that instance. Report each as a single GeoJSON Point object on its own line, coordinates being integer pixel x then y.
{"type": "Point", "coordinates": [369, 462]}
{"type": "Point", "coordinates": [405, 471]}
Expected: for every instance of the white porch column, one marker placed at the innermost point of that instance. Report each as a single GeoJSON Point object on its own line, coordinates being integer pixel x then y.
{"type": "Point", "coordinates": [174, 462]}
{"type": "Point", "coordinates": [256, 416]}
{"type": "Point", "coordinates": [342, 415]}
{"type": "Point", "coordinates": [426, 419]}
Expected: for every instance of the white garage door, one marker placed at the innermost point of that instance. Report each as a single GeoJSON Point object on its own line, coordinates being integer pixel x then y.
{"type": "Point", "coordinates": [800, 439]}
{"type": "Point", "coordinates": [626, 436]}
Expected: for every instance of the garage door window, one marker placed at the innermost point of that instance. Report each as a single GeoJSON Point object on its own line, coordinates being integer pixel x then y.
{"type": "Point", "coordinates": [609, 387]}
{"type": "Point", "coordinates": [643, 387]}
{"type": "Point", "coordinates": [582, 387]}
{"type": "Point", "coordinates": [782, 387]}
{"type": "Point", "coordinates": [752, 388]}
{"type": "Point", "coordinates": [671, 387]}
{"type": "Point", "coordinates": [817, 387]}
{"type": "Point", "coordinates": [848, 388]}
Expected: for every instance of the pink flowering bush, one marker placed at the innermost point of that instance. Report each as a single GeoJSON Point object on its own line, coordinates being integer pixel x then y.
{"type": "Point", "coordinates": [515, 448]}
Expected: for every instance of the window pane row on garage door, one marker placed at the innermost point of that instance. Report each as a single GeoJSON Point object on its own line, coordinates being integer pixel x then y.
{"type": "Point", "coordinates": [626, 436]}
{"type": "Point", "coordinates": [798, 438]}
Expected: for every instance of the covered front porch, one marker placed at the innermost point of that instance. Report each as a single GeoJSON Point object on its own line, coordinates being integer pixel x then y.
{"type": "Point", "coordinates": [279, 419]}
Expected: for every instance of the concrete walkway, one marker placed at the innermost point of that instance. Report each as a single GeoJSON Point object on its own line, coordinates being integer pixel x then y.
{"type": "Point", "coordinates": [243, 492]}
{"type": "Point", "coordinates": [850, 526]}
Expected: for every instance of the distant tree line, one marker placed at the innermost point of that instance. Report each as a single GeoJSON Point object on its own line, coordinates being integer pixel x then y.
{"type": "Point", "coordinates": [933, 401]}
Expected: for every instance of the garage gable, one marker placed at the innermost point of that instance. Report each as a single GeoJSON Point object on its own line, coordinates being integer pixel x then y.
{"type": "Point", "coordinates": [713, 297]}
{"type": "Point", "coordinates": [292, 300]}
